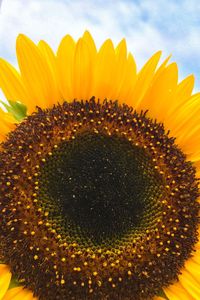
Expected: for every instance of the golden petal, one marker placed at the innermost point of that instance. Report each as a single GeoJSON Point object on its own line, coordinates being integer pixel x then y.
{"type": "Point", "coordinates": [65, 58]}
{"type": "Point", "coordinates": [183, 93]}
{"type": "Point", "coordinates": [91, 44]}
{"type": "Point", "coordinates": [7, 123]}
{"type": "Point", "coordinates": [186, 116]}
{"type": "Point", "coordinates": [190, 284]}
{"type": "Point", "coordinates": [177, 292]}
{"type": "Point", "coordinates": [125, 93]}
{"type": "Point", "coordinates": [193, 268]}
{"type": "Point", "coordinates": [36, 73]}
{"type": "Point", "coordinates": [5, 277]}
{"type": "Point", "coordinates": [121, 66]}
{"type": "Point", "coordinates": [104, 71]}
{"type": "Point", "coordinates": [12, 85]}
{"type": "Point", "coordinates": [50, 58]}
{"type": "Point", "coordinates": [19, 293]}
{"type": "Point", "coordinates": [82, 75]}
{"type": "Point", "coordinates": [160, 95]}
{"type": "Point", "coordinates": [144, 78]}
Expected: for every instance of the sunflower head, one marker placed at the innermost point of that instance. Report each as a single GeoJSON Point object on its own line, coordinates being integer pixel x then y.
{"type": "Point", "coordinates": [99, 177]}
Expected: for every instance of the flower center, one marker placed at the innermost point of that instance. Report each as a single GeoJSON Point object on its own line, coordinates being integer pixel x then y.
{"type": "Point", "coordinates": [98, 201]}
{"type": "Point", "coordinates": [104, 186]}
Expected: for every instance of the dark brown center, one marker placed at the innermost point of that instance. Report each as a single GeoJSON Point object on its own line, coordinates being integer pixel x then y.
{"type": "Point", "coordinates": [98, 201]}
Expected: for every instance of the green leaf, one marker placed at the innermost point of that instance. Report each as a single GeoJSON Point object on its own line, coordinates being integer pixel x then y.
{"type": "Point", "coordinates": [16, 108]}
{"type": "Point", "coordinates": [14, 283]}
{"type": "Point", "coordinates": [162, 294]}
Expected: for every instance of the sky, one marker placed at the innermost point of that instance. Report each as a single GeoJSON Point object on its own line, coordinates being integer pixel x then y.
{"type": "Point", "coordinates": [147, 25]}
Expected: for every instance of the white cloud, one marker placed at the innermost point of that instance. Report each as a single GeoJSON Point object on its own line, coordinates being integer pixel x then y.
{"type": "Point", "coordinates": [147, 26]}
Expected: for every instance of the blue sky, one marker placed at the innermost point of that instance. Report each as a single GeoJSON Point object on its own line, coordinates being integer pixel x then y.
{"type": "Point", "coordinates": [148, 26]}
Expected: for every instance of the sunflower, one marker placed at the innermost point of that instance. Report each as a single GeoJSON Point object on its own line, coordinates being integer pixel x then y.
{"type": "Point", "coordinates": [99, 168]}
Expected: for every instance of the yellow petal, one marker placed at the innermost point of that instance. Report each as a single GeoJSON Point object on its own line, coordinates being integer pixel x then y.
{"type": "Point", "coordinates": [196, 257]}
{"type": "Point", "coordinates": [146, 100]}
{"type": "Point", "coordinates": [183, 117]}
{"type": "Point", "coordinates": [65, 58]}
{"type": "Point", "coordinates": [161, 94]}
{"type": "Point", "coordinates": [144, 78]}
{"type": "Point", "coordinates": [128, 82]}
{"type": "Point", "coordinates": [82, 76]}
{"type": "Point", "coordinates": [104, 71]}
{"type": "Point", "coordinates": [160, 69]}
{"type": "Point", "coordinates": [184, 125]}
{"type": "Point", "coordinates": [121, 50]}
{"type": "Point", "coordinates": [91, 44]}
{"type": "Point", "coordinates": [193, 268]}
{"type": "Point", "coordinates": [49, 56]}
{"type": "Point", "coordinates": [121, 62]}
{"type": "Point", "coordinates": [7, 123]}
{"type": "Point", "coordinates": [183, 93]}
{"type": "Point", "coordinates": [5, 277]}
{"type": "Point", "coordinates": [19, 293]}
{"type": "Point", "coordinates": [190, 284]}
{"type": "Point", "coordinates": [36, 73]}
{"type": "Point", "coordinates": [177, 292]}
{"type": "Point", "coordinates": [12, 85]}
{"type": "Point", "coordinates": [190, 143]}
